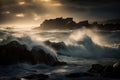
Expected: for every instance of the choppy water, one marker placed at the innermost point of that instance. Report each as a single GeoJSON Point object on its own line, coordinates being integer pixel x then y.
{"type": "Point", "coordinates": [83, 48]}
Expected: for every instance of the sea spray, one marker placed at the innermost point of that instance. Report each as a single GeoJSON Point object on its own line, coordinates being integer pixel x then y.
{"type": "Point", "coordinates": [87, 44]}
{"type": "Point", "coordinates": [29, 42]}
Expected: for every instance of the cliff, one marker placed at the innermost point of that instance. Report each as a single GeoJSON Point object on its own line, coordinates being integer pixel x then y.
{"type": "Point", "coordinates": [68, 23]}
{"type": "Point", "coordinates": [58, 23]}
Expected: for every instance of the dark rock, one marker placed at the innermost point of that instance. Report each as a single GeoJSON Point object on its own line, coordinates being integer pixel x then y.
{"type": "Point", "coordinates": [56, 46]}
{"type": "Point", "coordinates": [68, 23]}
{"type": "Point", "coordinates": [41, 56]}
{"type": "Point", "coordinates": [106, 71]}
{"type": "Point", "coordinates": [112, 71]}
{"type": "Point", "coordinates": [36, 77]}
{"type": "Point", "coordinates": [58, 23]}
{"type": "Point", "coordinates": [116, 65]}
{"type": "Point", "coordinates": [14, 52]}
{"type": "Point", "coordinates": [79, 74]}
{"type": "Point", "coordinates": [96, 68]}
{"type": "Point", "coordinates": [83, 23]}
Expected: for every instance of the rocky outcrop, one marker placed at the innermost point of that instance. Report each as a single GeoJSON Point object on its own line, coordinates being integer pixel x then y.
{"type": "Point", "coordinates": [58, 23]}
{"type": "Point", "coordinates": [79, 74]}
{"type": "Point", "coordinates": [68, 23]}
{"type": "Point", "coordinates": [40, 56]}
{"type": "Point", "coordinates": [96, 68]}
{"type": "Point", "coordinates": [106, 71]}
{"type": "Point", "coordinates": [100, 71]}
{"type": "Point", "coordinates": [55, 45]}
{"type": "Point", "coordinates": [14, 52]}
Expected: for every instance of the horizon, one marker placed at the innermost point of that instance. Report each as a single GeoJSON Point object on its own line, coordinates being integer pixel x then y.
{"type": "Point", "coordinates": [14, 25]}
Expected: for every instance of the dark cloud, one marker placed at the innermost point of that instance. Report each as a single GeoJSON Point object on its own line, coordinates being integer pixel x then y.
{"type": "Point", "coordinates": [84, 9]}
{"type": "Point", "coordinates": [101, 8]}
{"type": "Point", "coordinates": [14, 8]}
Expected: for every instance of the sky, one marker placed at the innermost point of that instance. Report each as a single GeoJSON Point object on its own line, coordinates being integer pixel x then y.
{"type": "Point", "coordinates": [33, 12]}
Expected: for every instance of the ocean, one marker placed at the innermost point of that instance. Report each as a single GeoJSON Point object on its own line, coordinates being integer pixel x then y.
{"type": "Point", "coordinates": [82, 48]}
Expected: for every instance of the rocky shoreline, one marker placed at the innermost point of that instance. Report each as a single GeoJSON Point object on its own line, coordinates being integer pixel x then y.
{"type": "Point", "coordinates": [96, 72]}
{"type": "Point", "coordinates": [14, 52]}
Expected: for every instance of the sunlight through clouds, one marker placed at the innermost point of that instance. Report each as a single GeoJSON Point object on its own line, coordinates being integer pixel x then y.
{"type": "Point", "coordinates": [21, 3]}
{"type": "Point", "coordinates": [45, 0]}
{"type": "Point", "coordinates": [20, 15]}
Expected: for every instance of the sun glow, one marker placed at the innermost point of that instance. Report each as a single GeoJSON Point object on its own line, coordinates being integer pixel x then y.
{"type": "Point", "coordinates": [46, 0]}
{"type": "Point", "coordinates": [21, 3]}
{"type": "Point", "coordinates": [20, 15]}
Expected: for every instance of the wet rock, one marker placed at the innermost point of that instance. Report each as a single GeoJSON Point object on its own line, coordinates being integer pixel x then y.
{"type": "Point", "coordinates": [41, 56]}
{"type": "Point", "coordinates": [96, 68]}
{"type": "Point", "coordinates": [79, 74]}
{"type": "Point", "coordinates": [55, 45]}
{"type": "Point", "coordinates": [14, 52]}
{"type": "Point", "coordinates": [35, 77]}
{"type": "Point", "coordinates": [112, 71]}
{"type": "Point", "coordinates": [116, 65]}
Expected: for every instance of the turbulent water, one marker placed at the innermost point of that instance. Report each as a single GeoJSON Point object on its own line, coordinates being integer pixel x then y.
{"type": "Point", "coordinates": [83, 47]}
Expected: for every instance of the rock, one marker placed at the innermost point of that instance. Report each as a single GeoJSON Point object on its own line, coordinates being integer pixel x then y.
{"type": "Point", "coordinates": [35, 77]}
{"type": "Point", "coordinates": [106, 71]}
{"type": "Point", "coordinates": [96, 68]}
{"type": "Point", "coordinates": [79, 74]}
{"type": "Point", "coordinates": [116, 65]}
{"type": "Point", "coordinates": [13, 53]}
{"type": "Point", "coordinates": [41, 56]}
{"type": "Point", "coordinates": [56, 46]}
{"type": "Point", "coordinates": [58, 23]}
{"type": "Point", "coordinates": [68, 23]}
{"type": "Point", "coordinates": [112, 71]}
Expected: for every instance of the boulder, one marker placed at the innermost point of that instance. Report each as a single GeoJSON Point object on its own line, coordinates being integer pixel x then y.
{"type": "Point", "coordinates": [79, 74]}
{"type": "Point", "coordinates": [55, 45]}
{"type": "Point", "coordinates": [96, 68]}
{"type": "Point", "coordinates": [110, 71]}
{"type": "Point", "coordinates": [14, 52]}
{"type": "Point", "coordinates": [40, 56]}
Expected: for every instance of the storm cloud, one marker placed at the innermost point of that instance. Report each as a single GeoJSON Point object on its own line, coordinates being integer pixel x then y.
{"type": "Point", "coordinates": [37, 10]}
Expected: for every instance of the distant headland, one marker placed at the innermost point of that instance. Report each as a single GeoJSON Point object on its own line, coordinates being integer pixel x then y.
{"type": "Point", "coordinates": [68, 23]}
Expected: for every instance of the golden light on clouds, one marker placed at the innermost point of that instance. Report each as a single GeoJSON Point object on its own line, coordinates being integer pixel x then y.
{"type": "Point", "coordinates": [20, 15]}
{"type": "Point", "coordinates": [45, 0]}
{"type": "Point", "coordinates": [21, 3]}
{"type": "Point", "coordinates": [57, 4]}
{"type": "Point", "coordinates": [6, 12]}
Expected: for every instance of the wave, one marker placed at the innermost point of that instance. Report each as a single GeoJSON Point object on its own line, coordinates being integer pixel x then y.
{"type": "Point", "coordinates": [82, 43]}
{"type": "Point", "coordinates": [87, 44]}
